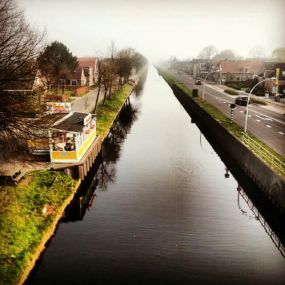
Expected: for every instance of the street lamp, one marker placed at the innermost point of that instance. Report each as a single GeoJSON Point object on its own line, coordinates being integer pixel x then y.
{"type": "Point", "coordinates": [203, 97]}
{"type": "Point", "coordinates": [246, 116]}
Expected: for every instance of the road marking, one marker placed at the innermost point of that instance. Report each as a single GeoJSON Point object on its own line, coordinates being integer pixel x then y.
{"type": "Point", "coordinates": [273, 119]}
{"type": "Point", "coordinates": [268, 126]}
{"type": "Point", "coordinates": [264, 118]}
{"type": "Point", "coordinates": [280, 133]}
{"type": "Point", "coordinates": [257, 120]}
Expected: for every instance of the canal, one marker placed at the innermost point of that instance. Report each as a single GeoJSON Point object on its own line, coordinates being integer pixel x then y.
{"type": "Point", "coordinates": [161, 207]}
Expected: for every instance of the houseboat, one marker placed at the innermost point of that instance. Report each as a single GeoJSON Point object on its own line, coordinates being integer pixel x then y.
{"type": "Point", "coordinates": [71, 136]}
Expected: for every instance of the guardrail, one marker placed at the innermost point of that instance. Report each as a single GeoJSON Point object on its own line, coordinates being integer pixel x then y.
{"type": "Point", "coordinates": [262, 152]}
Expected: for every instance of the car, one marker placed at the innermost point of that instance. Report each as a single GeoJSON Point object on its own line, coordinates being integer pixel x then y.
{"type": "Point", "coordinates": [198, 82]}
{"type": "Point", "coordinates": [241, 100]}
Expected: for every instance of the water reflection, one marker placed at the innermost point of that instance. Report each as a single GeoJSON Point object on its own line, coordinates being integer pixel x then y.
{"type": "Point", "coordinates": [103, 171]}
{"type": "Point", "coordinates": [255, 214]}
{"type": "Point", "coordinates": [169, 216]}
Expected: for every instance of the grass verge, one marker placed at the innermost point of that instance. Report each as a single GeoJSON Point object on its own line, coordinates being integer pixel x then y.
{"type": "Point", "coordinates": [233, 128]}
{"type": "Point", "coordinates": [29, 213]}
{"type": "Point", "coordinates": [107, 113]}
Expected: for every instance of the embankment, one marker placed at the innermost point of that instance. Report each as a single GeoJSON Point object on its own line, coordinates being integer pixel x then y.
{"type": "Point", "coordinates": [270, 182]}
{"type": "Point", "coordinates": [31, 210]}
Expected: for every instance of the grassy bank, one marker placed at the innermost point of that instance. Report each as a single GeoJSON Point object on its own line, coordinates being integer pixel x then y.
{"type": "Point", "coordinates": [30, 211]}
{"type": "Point", "coordinates": [233, 128]}
{"type": "Point", "coordinates": [29, 214]}
{"type": "Point", "coordinates": [107, 113]}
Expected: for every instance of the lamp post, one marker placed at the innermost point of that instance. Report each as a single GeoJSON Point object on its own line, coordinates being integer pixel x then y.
{"type": "Point", "coordinates": [246, 116]}
{"type": "Point", "coordinates": [203, 97]}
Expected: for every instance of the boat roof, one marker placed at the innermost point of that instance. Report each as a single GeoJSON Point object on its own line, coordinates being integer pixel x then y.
{"type": "Point", "coordinates": [73, 122]}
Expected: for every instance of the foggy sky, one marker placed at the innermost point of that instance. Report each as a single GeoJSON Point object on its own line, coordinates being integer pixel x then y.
{"type": "Point", "coordinates": [160, 29]}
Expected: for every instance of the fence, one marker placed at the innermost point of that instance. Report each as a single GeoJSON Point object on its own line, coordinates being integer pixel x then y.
{"type": "Point", "coordinates": [266, 155]}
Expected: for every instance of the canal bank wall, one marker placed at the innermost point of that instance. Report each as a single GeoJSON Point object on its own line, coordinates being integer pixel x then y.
{"type": "Point", "coordinates": [271, 183]}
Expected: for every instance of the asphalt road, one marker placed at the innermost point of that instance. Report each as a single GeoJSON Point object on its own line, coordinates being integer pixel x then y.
{"type": "Point", "coordinates": [86, 103]}
{"type": "Point", "coordinates": [267, 125]}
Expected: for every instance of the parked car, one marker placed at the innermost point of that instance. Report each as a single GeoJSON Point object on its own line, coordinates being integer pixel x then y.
{"type": "Point", "coordinates": [241, 100]}
{"type": "Point", "coordinates": [198, 82]}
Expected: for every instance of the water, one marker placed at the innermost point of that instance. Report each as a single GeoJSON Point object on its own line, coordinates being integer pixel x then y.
{"type": "Point", "coordinates": [160, 210]}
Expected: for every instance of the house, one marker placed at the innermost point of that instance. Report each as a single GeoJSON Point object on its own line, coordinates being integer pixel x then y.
{"type": "Point", "coordinates": [85, 74]}
{"type": "Point", "coordinates": [71, 136]}
{"type": "Point", "coordinates": [239, 70]}
{"type": "Point", "coordinates": [201, 67]}
{"type": "Point", "coordinates": [32, 82]}
{"type": "Point", "coordinates": [276, 70]}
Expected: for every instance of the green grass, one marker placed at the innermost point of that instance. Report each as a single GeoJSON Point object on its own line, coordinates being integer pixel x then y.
{"type": "Point", "coordinates": [231, 92]}
{"type": "Point", "coordinates": [233, 128]}
{"type": "Point", "coordinates": [22, 222]}
{"type": "Point", "coordinates": [107, 113]}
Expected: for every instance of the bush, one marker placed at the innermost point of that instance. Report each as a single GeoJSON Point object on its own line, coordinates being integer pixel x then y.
{"type": "Point", "coordinates": [257, 101]}
{"type": "Point", "coordinates": [234, 85]}
{"type": "Point", "coordinates": [81, 90]}
{"type": "Point", "coordinates": [231, 92]}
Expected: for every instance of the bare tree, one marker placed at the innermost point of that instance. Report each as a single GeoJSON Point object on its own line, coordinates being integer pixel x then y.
{"type": "Point", "coordinates": [257, 52]}
{"type": "Point", "coordinates": [125, 64]}
{"type": "Point", "coordinates": [208, 52]}
{"type": "Point", "coordinates": [19, 49]}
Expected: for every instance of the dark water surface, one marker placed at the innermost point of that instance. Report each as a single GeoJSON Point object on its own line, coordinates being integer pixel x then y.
{"type": "Point", "coordinates": [159, 210]}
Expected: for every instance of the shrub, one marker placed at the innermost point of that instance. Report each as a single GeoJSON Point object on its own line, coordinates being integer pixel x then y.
{"type": "Point", "coordinates": [231, 92]}
{"type": "Point", "coordinates": [81, 90]}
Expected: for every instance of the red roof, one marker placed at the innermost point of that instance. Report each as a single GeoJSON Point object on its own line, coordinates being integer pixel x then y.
{"type": "Point", "coordinates": [86, 61]}
{"type": "Point", "coordinates": [238, 66]}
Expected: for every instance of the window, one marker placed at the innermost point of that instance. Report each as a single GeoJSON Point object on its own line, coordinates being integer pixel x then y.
{"type": "Point", "coordinates": [74, 82]}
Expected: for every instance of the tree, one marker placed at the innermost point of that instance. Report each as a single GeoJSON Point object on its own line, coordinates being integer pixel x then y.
{"type": "Point", "coordinates": [19, 49]}
{"type": "Point", "coordinates": [124, 64]}
{"type": "Point", "coordinates": [208, 52]}
{"type": "Point", "coordinates": [226, 54]}
{"type": "Point", "coordinates": [56, 63]}
{"type": "Point", "coordinates": [257, 52]}
{"type": "Point", "coordinates": [279, 54]}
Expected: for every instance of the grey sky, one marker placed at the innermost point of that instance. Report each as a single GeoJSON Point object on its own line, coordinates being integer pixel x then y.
{"type": "Point", "coordinates": [160, 29]}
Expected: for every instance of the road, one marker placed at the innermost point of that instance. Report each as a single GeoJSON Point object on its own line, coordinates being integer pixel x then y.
{"type": "Point", "coordinates": [86, 103]}
{"type": "Point", "coordinates": [268, 125]}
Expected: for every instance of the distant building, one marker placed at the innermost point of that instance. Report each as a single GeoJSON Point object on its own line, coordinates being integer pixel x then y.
{"type": "Point", "coordinates": [239, 70]}
{"type": "Point", "coordinates": [276, 70]}
{"type": "Point", "coordinates": [85, 74]}
{"type": "Point", "coordinates": [201, 67]}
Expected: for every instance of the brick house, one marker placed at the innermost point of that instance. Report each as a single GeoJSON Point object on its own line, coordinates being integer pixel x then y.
{"type": "Point", "coordinates": [239, 70]}
{"type": "Point", "coordinates": [85, 74]}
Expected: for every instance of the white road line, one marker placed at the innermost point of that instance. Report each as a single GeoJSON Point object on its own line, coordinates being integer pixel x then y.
{"type": "Point", "coordinates": [273, 119]}
{"type": "Point", "coordinates": [268, 126]}
{"type": "Point", "coordinates": [264, 118]}
{"type": "Point", "coordinates": [257, 120]}
{"type": "Point", "coordinates": [280, 133]}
